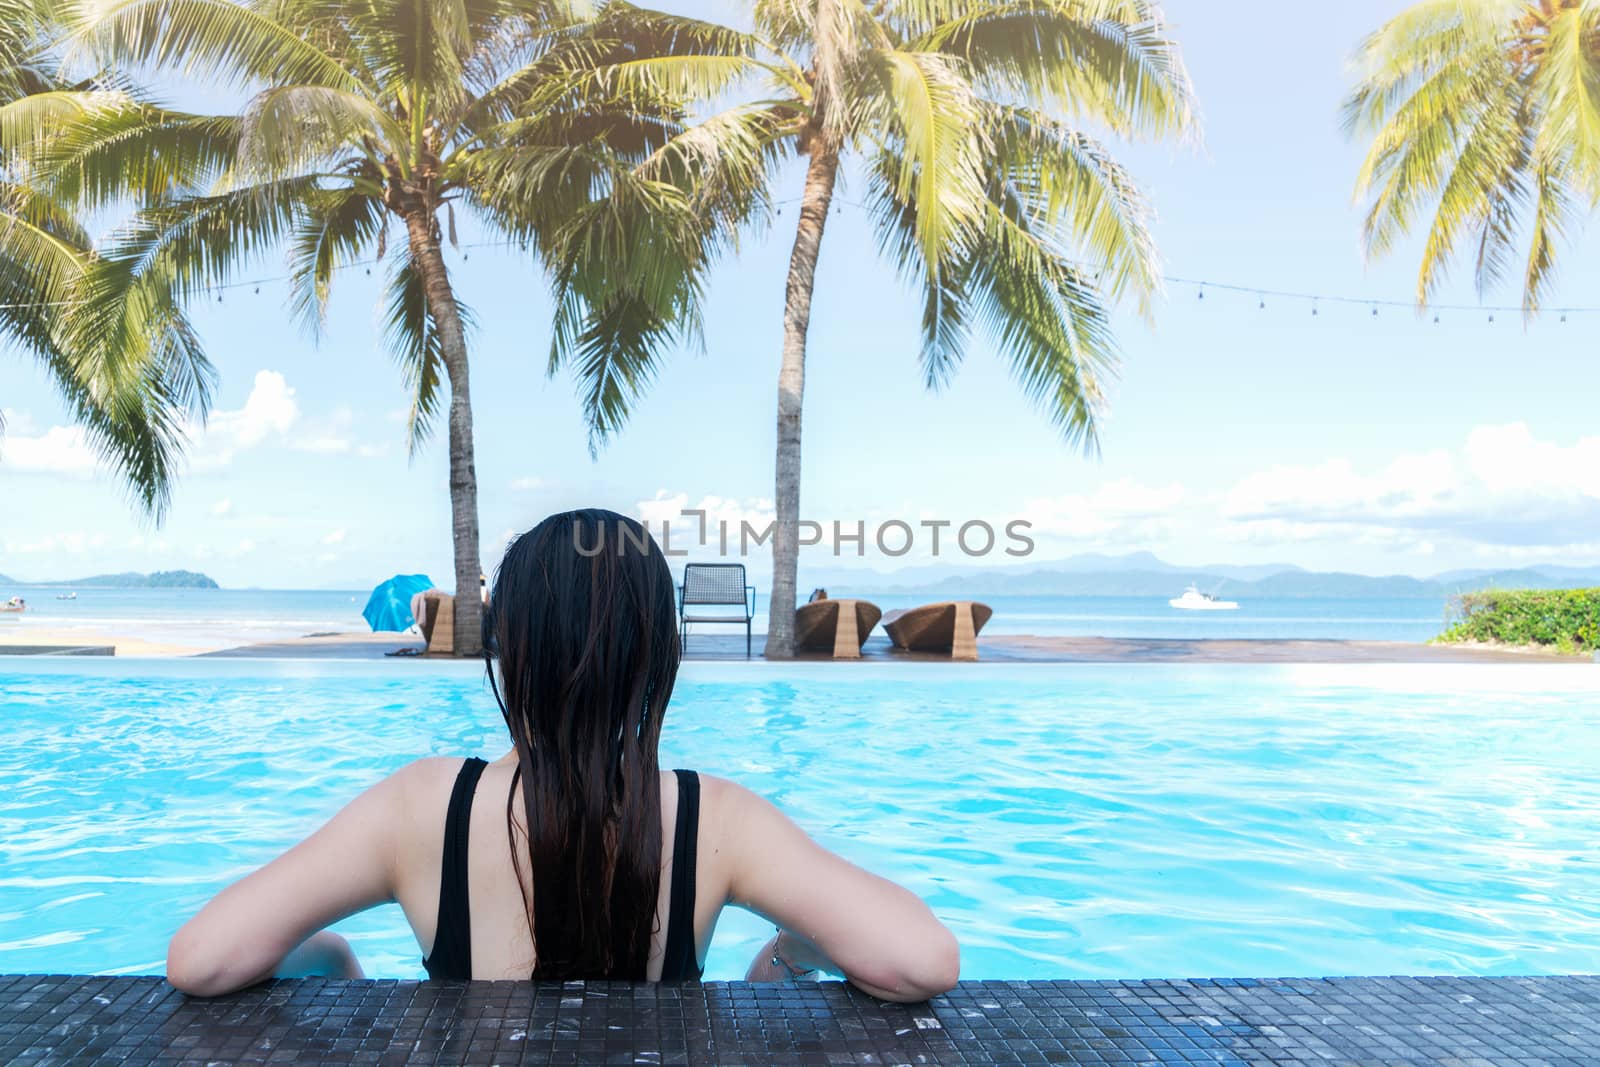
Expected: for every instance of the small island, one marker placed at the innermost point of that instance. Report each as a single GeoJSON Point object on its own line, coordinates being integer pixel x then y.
{"type": "Point", "coordinates": [129, 580]}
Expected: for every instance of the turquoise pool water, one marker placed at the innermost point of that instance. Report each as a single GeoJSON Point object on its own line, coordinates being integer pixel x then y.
{"type": "Point", "coordinates": [1083, 821]}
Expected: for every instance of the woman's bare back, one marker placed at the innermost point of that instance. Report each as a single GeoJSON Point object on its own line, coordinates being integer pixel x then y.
{"type": "Point", "coordinates": [502, 947]}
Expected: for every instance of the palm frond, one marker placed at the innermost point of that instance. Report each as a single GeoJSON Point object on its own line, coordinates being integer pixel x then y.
{"type": "Point", "coordinates": [170, 254]}
{"type": "Point", "coordinates": [288, 130]}
{"type": "Point", "coordinates": [123, 147]}
{"type": "Point", "coordinates": [1080, 199]}
{"type": "Point", "coordinates": [1041, 310]}
{"type": "Point", "coordinates": [1567, 88]}
{"type": "Point", "coordinates": [412, 337]}
{"type": "Point", "coordinates": [628, 273]}
{"type": "Point", "coordinates": [1110, 61]}
{"type": "Point", "coordinates": [211, 41]}
{"type": "Point", "coordinates": [937, 123]}
{"type": "Point", "coordinates": [335, 228]}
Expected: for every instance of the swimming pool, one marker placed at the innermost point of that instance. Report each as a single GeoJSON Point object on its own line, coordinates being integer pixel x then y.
{"type": "Point", "coordinates": [1082, 821]}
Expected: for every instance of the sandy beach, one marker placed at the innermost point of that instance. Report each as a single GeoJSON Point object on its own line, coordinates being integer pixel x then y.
{"type": "Point", "coordinates": [997, 649]}
{"type": "Point", "coordinates": [17, 636]}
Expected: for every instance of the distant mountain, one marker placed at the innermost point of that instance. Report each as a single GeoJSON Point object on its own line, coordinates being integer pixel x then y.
{"type": "Point", "coordinates": [1142, 574]}
{"type": "Point", "coordinates": [134, 580]}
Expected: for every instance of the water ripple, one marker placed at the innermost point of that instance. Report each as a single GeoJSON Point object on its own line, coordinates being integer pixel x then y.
{"type": "Point", "coordinates": [1082, 822]}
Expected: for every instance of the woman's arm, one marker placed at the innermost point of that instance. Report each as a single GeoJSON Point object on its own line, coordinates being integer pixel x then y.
{"type": "Point", "coordinates": [882, 937]}
{"type": "Point", "coordinates": [251, 929]}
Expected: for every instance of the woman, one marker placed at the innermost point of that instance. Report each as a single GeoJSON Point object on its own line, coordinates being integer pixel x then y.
{"type": "Point", "coordinates": [571, 856]}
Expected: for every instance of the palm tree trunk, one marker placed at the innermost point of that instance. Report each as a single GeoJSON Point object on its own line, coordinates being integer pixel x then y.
{"type": "Point", "coordinates": [814, 202]}
{"type": "Point", "coordinates": [425, 252]}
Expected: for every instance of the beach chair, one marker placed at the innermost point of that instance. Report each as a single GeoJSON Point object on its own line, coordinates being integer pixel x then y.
{"type": "Point", "coordinates": [838, 627]}
{"type": "Point", "coordinates": [716, 585]}
{"type": "Point", "coordinates": [950, 627]}
{"type": "Point", "coordinates": [437, 622]}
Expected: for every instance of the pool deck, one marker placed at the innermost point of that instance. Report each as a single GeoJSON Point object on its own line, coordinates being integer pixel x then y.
{"type": "Point", "coordinates": [998, 649]}
{"type": "Point", "coordinates": [1451, 1022]}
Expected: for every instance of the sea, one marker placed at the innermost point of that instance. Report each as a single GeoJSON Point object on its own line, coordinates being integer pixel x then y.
{"type": "Point", "coordinates": [217, 618]}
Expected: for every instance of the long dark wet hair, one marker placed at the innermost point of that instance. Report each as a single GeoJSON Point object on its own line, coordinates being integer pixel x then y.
{"type": "Point", "coordinates": [582, 624]}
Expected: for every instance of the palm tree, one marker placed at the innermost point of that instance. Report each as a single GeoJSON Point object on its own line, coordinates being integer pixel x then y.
{"type": "Point", "coordinates": [134, 391]}
{"type": "Point", "coordinates": [565, 137]}
{"type": "Point", "coordinates": [967, 121]}
{"type": "Point", "coordinates": [1484, 118]}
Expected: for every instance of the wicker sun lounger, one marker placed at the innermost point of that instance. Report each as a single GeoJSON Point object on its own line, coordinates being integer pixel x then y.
{"type": "Point", "coordinates": [950, 627]}
{"type": "Point", "coordinates": [836, 626]}
{"type": "Point", "coordinates": [437, 621]}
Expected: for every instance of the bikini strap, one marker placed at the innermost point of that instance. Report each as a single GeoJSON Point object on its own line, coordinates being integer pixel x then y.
{"type": "Point", "coordinates": [680, 959]}
{"type": "Point", "coordinates": [452, 940]}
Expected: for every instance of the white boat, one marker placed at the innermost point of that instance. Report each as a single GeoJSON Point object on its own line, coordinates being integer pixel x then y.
{"type": "Point", "coordinates": [66, 596]}
{"type": "Point", "coordinates": [1194, 600]}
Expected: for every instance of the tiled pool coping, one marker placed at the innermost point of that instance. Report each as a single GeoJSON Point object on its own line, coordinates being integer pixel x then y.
{"type": "Point", "coordinates": [1454, 1022]}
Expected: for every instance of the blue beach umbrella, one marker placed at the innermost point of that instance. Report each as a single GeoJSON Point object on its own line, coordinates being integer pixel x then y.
{"type": "Point", "coordinates": [389, 606]}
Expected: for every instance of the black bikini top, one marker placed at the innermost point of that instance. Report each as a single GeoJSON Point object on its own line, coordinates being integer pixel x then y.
{"type": "Point", "coordinates": [451, 958]}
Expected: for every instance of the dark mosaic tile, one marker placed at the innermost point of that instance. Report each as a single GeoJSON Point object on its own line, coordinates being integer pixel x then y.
{"type": "Point", "coordinates": [1363, 1022]}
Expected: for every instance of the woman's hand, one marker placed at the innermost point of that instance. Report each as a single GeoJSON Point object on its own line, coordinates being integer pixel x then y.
{"type": "Point", "coordinates": [324, 954]}
{"type": "Point", "coordinates": [803, 958]}
{"type": "Point", "coordinates": [877, 934]}
{"type": "Point", "coordinates": [257, 927]}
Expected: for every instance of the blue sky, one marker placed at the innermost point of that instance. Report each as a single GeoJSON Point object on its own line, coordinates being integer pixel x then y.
{"type": "Point", "coordinates": [1341, 440]}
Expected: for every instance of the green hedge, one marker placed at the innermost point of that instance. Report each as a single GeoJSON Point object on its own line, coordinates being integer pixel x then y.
{"type": "Point", "coordinates": [1565, 619]}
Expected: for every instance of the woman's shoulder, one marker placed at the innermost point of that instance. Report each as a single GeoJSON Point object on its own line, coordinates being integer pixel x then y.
{"type": "Point", "coordinates": [726, 803]}
{"type": "Point", "coordinates": [429, 770]}
{"type": "Point", "coordinates": [421, 782]}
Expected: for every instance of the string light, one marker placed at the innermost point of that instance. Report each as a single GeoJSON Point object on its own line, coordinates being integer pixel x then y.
{"type": "Point", "coordinates": [1200, 284]}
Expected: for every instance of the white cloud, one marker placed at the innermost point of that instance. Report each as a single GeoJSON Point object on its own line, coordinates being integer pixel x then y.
{"type": "Point", "coordinates": [269, 412]}
{"type": "Point", "coordinates": [335, 537]}
{"type": "Point", "coordinates": [325, 445]}
{"type": "Point", "coordinates": [1121, 510]}
{"type": "Point", "coordinates": [372, 451]}
{"type": "Point", "coordinates": [18, 422]}
{"type": "Point", "coordinates": [222, 507]}
{"type": "Point", "coordinates": [1508, 459]}
{"type": "Point", "coordinates": [528, 485]}
{"type": "Point", "coordinates": [722, 513]}
{"type": "Point", "coordinates": [60, 450]}
{"type": "Point", "coordinates": [1504, 487]}
{"type": "Point", "coordinates": [75, 543]}
{"type": "Point", "coordinates": [270, 409]}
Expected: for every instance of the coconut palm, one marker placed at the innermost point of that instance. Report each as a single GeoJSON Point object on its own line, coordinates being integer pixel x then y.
{"type": "Point", "coordinates": [968, 122]}
{"type": "Point", "coordinates": [564, 137]}
{"type": "Point", "coordinates": [1484, 120]}
{"type": "Point", "coordinates": [135, 391]}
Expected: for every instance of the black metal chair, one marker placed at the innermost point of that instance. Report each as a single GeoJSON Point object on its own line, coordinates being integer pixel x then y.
{"type": "Point", "coordinates": [716, 585]}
